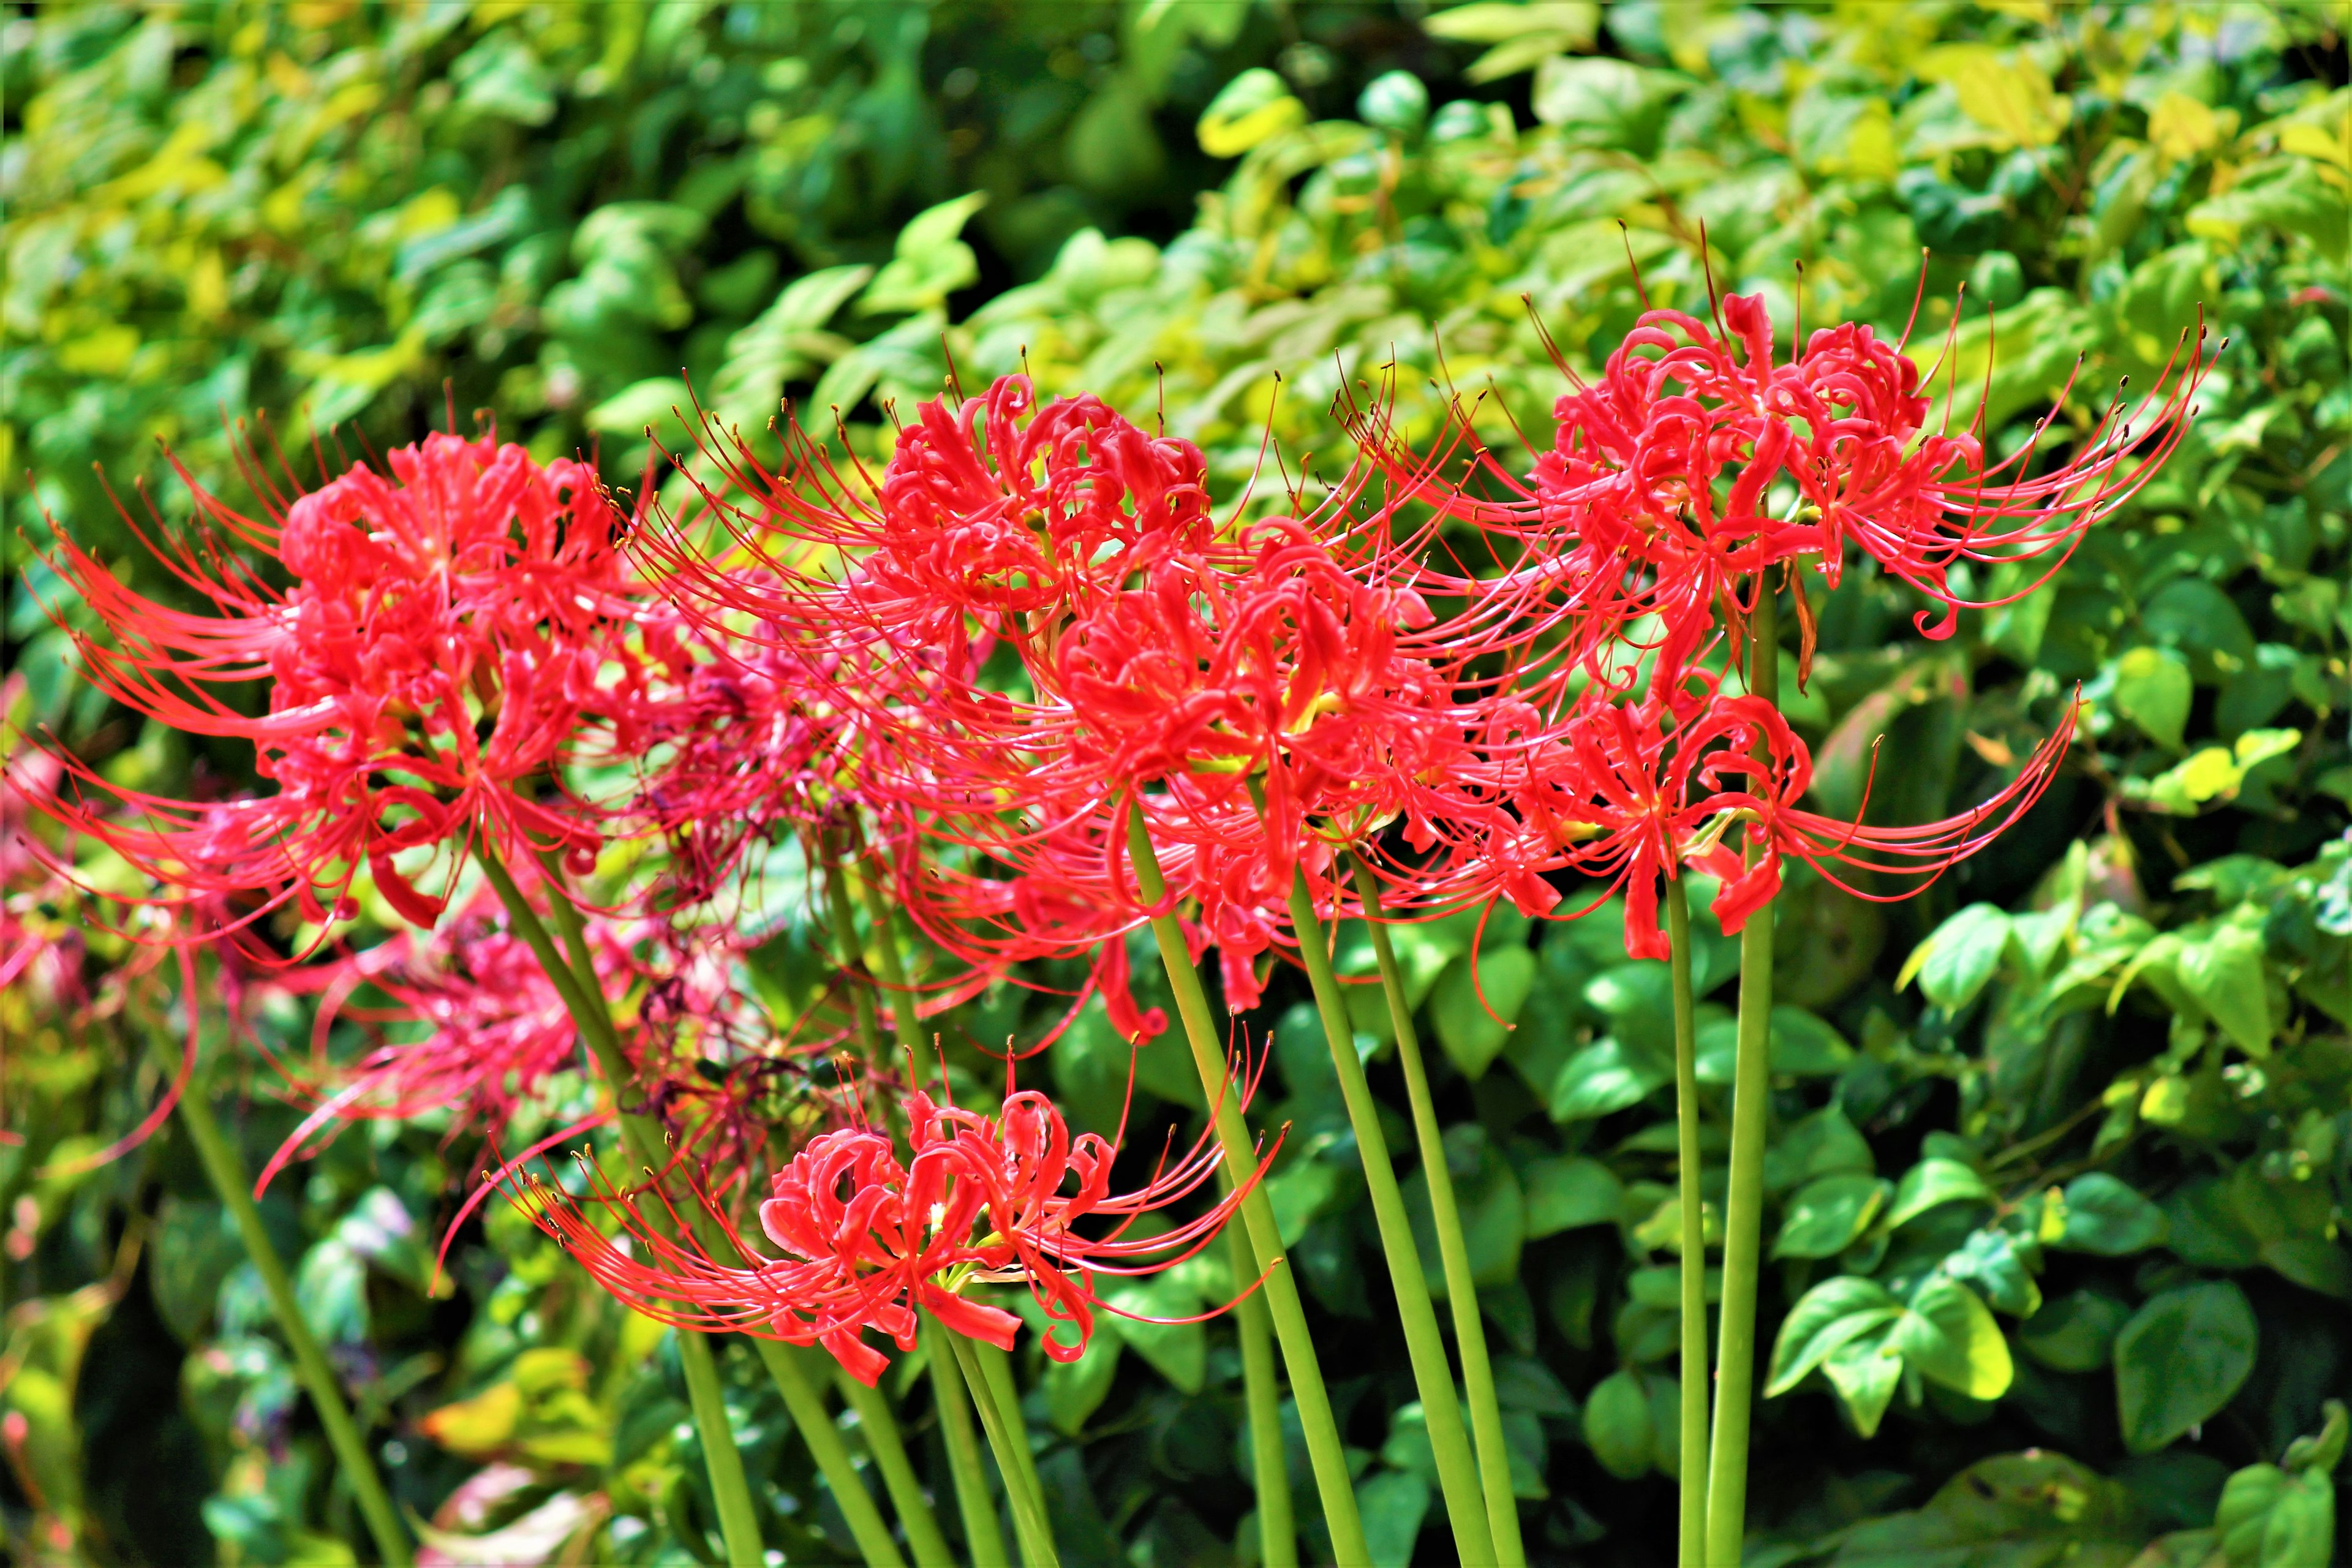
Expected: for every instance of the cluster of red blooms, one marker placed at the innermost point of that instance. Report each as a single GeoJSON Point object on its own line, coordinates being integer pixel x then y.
{"type": "Point", "coordinates": [454, 635]}
{"type": "Point", "coordinates": [870, 1240]}
{"type": "Point", "coordinates": [980, 662]}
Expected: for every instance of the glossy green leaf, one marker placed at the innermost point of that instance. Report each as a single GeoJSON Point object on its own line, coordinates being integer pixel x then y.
{"type": "Point", "coordinates": [1824, 1216]}
{"type": "Point", "coordinates": [1933, 1183]}
{"type": "Point", "coordinates": [1617, 1426]}
{"type": "Point", "coordinates": [2179, 1359]}
{"type": "Point", "coordinates": [1829, 1315]}
{"type": "Point", "coordinates": [1565, 1193]}
{"type": "Point", "coordinates": [2106, 1216]}
{"type": "Point", "coordinates": [1949, 1335]}
{"type": "Point", "coordinates": [2075, 1332]}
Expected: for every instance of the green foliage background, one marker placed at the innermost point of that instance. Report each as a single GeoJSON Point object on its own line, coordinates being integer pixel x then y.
{"type": "Point", "coordinates": [2063, 1148]}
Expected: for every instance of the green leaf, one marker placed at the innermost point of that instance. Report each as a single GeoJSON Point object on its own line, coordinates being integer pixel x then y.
{"type": "Point", "coordinates": [1825, 1317]}
{"type": "Point", "coordinates": [2153, 690]}
{"type": "Point", "coordinates": [1179, 1351]}
{"type": "Point", "coordinates": [2075, 1332]}
{"type": "Point", "coordinates": [1393, 1504]}
{"type": "Point", "coordinates": [930, 262]}
{"type": "Point", "coordinates": [1468, 1028]}
{"type": "Point", "coordinates": [1953, 965]}
{"type": "Point", "coordinates": [1824, 1144]}
{"type": "Point", "coordinates": [2182, 1358]}
{"type": "Point", "coordinates": [1865, 1371]}
{"type": "Point", "coordinates": [1607, 1076]}
{"type": "Point", "coordinates": [1489, 1205]}
{"type": "Point", "coordinates": [1949, 1334]}
{"type": "Point", "coordinates": [1935, 1182]}
{"type": "Point", "coordinates": [1253, 106]}
{"type": "Point", "coordinates": [1568, 1192]}
{"type": "Point", "coordinates": [2107, 1217]}
{"type": "Point", "coordinates": [1617, 1426]}
{"type": "Point", "coordinates": [2313, 1262]}
{"type": "Point", "coordinates": [1074, 1390]}
{"type": "Point", "coordinates": [2225, 973]}
{"type": "Point", "coordinates": [1828, 1214]}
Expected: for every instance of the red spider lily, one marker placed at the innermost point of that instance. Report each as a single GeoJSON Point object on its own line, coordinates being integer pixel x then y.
{"type": "Point", "coordinates": [868, 1239]}
{"type": "Point", "coordinates": [1624, 793]}
{"type": "Point", "coordinates": [495, 1027]}
{"type": "Point", "coordinates": [1765, 791]}
{"type": "Point", "coordinates": [447, 632]}
{"type": "Point", "coordinates": [1655, 495]}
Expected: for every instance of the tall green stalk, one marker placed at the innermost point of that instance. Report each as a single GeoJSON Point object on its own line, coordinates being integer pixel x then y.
{"type": "Point", "coordinates": [739, 1522]}
{"type": "Point", "coordinates": [1433, 1373]}
{"type": "Point", "coordinates": [983, 1536]}
{"type": "Point", "coordinates": [1693, 1448]}
{"type": "Point", "coordinates": [788, 1370]}
{"type": "Point", "coordinates": [1743, 1209]}
{"type": "Point", "coordinates": [1013, 1459]}
{"type": "Point", "coordinates": [226, 1169]}
{"type": "Point", "coordinates": [803, 1402]}
{"type": "Point", "coordinates": [1277, 1530]}
{"type": "Point", "coordinates": [924, 1540]}
{"type": "Point", "coordinates": [1325, 1453]}
{"type": "Point", "coordinates": [1452, 1250]}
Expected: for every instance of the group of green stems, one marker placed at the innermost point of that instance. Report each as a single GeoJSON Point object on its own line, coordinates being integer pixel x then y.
{"type": "Point", "coordinates": [969, 1377]}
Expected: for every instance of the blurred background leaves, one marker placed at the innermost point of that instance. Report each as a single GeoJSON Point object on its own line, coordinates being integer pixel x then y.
{"type": "Point", "coordinates": [2062, 1153]}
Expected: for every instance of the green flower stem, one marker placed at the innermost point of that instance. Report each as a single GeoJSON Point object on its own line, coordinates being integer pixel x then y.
{"type": "Point", "coordinates": [1277, 1530]}
{"type": "Point", "coordinates": [226, 1172]}
{"type": "Point", "coordinates": [997, 1367]}
{"type": "Point", "coordinates": [924, 1540]}
{"type": "Point", "coordinates": [1453, 1251]}
{"type": "Point", "coordinates": [983, 1536]}
{"type": "Point", "coordinates": [946, 1381]}
{"type": "Point", "coordinates": [788, 1370]}
{"type": "Point", "coordinates": [585, 996]}
{"type": "Point", "coordinates": [1006, 1438]}
{"type": "Point", "coordinates": [1433, 1374]}
{"type": "Point", "coordinates": [739, 1522]}
{"type": "Point", "coordinates": [1325, 1452]}
{"type": "Point", "coordinates": [1743, 1209]}
{"type": "Point", "coordinates": [1692, 1450]}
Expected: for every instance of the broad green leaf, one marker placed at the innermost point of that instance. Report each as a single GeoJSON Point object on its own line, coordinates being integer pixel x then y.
{"type": "Point", "coordinates": [2106, 1216]}
{"type": "Point", "coordinates": [1074, 1390]}
{"type": "Point", "coordinates": [1865, 1371]}
{"type": "Point", "coordinates": [2001, 1266]}
{"type": "Point", "coordinates": [2152, 690]}
{"type": "Point", "coordinates": [1665, 1424]}
{"type": "Point", "coordinates": [1253, 106]}
{"type": "Point", "coordinates": [2075, 1332]}
{"type": "Point", "coordinates": [1607, 1076]}
{"type": "Point", "coordinates": [928, 262]}
{"type": "Point", "coordinates": [1824, 1144]}
{"type": "Point", "coordinates": [2225, 973]}
{"type": "Point", "coordinates": [2313, 1262]}
{"type": "Point", "coordinates": [1492, 1213]}
{"type": "Point", "coordinates": [2180, 1359]}
{"type": "Point", "coordinates": [1954, 963]}
{"type": "Point", "coordinates": [1825, 1317]}
{"type": "Point", "coordinates": [1935, 1182]}
{"type": "Point", "coordinates": [1565, 1193]}
{"type": "Point", "coordinates": [1177, 1351]}
{"type": "Point", "coordinates": [1394, 1503]}
{"type": "Point", "coordinates": [1825, 1216]}
{"type": "Point", "coordinates": [1473, 1031]}
{"type": "Point", "coordinates": [1949, 1334]}
{"type": "Point", "coordinates": [1617, 1426]}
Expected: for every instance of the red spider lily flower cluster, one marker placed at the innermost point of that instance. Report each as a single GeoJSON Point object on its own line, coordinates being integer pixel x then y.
{"type": "Point", "coordinates": [1158, 660]}
{"type": "Point", "coordinates": [450, 630]}
{"type": "Point", "coordinates": [866, 1238]}
{"type": "Point", "coordinates": [494, 1027]}
{"type": "Point", "coordinates": [1642, 538]}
